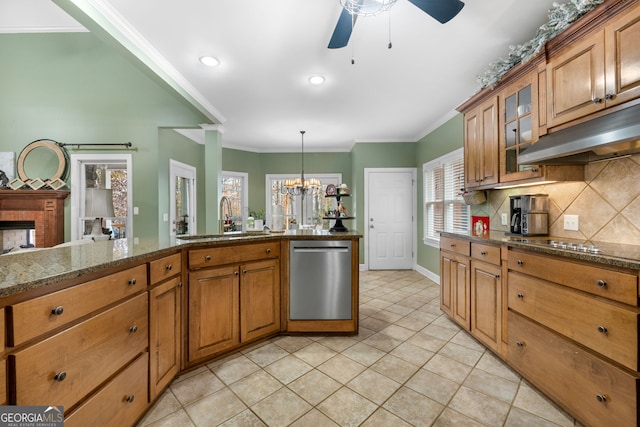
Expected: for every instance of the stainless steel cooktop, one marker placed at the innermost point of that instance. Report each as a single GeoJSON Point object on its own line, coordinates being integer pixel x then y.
{"type": "Point", "coordinates": [614, 250]}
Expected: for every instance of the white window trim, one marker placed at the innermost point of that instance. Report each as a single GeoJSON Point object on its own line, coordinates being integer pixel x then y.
{"type": "Point", "coordinates": [77, 181]}
{"type": "Point", "coordinates": [183, 170]}
{"type": "Point", "coordinates": [245, 192]}
{"type": "Point", "coordinates": [446, 158]}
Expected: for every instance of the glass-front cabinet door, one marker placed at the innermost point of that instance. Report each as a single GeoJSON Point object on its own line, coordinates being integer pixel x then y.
{"type": "Point", "coordinates": [519, 127]}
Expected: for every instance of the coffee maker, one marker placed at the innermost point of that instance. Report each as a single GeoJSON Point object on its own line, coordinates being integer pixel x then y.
{"type": "Point", "coordinates": [529, 215]}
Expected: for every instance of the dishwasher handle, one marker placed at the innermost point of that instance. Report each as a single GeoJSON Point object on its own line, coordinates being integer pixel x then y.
{"type": "Point", "coordinates": [321, 250]}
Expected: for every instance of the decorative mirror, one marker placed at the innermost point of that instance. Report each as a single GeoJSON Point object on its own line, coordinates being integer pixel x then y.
{"type": "Point", "coordinates": [43, 162]}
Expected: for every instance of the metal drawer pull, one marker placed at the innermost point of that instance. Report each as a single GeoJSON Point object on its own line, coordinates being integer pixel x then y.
{"type": "Point", "coordinates": [268, 250]}
{"type": "Point", "coordinates": [453, 245]}
{"type": "Point", "coordinates": [169, 267]}
{"type": "Point", "coordinates": [57, 311]}
{"type": "Point", "coordinates": [602, 283]}
{"type": "Point", "coordinates": [602, 398]}
{"type": "Point", "coordinates": [483, 252]}
{"type": "Point", "coordinates": [520, 343]}
{"type": "Point", "coordinates": [520, 262]}
{"type": "Point", "coordinates": [133, 329]}
{"type": "Point", "coordinates": [235, 273]}
{"type": "Point", "coordinates": [132, 281]}
{"type": "Point", "coordinates": [207, 258]}
{"type": "Point", "coordinates": [602, 329]}
{"type": "Point", "coordinates": [520, 295]}
{"type": "Point", "coordinates": [244, 271]}
{"type": "Point", "coordinates": [60, 376]}
{"type": "Point", "coordinates": [129, 398]}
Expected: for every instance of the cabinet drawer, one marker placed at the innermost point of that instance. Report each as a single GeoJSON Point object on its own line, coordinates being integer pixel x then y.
{"type": "Point", "coordinates": [487, 253]}
{"type": "Point", "coordinates": [199, 258]}
{"type": "Point", "coordinates": [163, 268]}
{"type": "Point", "coordinates": [67, 366]}
{"type": "Point", "coordinates": [604, 327]}
{"type": "Point", "coordinates": [31, 318]}
{"type": "Point", "coordinates": [119, 403]}
{"type": "Point", "coordinates": [593, 390]}
{"type": "Point", "coordinates": [458, 246]}
{"type": "Point", "coordinates": [603, 282]}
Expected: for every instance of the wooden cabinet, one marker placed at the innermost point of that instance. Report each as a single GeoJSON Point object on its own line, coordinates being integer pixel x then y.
{"type": "Point", "coordinates": [455, 280]}
{"type": "Point", "coordinates": [573, 332]}
{"type": "Point", "coordinates": [481, 144]}
{"type": "Point", "coordinates": [598, 71]}
{"type": "Point", "coordinates": [486, 295]}
{"type": "Point", "coordinates": [165, 309]}
{"type": "Point", "coordinates": [235, 300]}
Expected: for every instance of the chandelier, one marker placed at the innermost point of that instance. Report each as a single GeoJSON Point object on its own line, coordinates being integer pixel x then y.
{"type": "Point", "coordinates": [367, 7]}
{"type": "Point", "coordinates": [301, 186]}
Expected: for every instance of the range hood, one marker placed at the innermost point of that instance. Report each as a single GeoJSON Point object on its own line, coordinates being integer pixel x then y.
{"type": "Point", "coordinates": [613, 135]}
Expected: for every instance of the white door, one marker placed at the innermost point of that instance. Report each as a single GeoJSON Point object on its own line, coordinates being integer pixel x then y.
{"type": "Point", "coordinates": [390, 218]}
{"type": "Point", "coordinates": [182, 198]}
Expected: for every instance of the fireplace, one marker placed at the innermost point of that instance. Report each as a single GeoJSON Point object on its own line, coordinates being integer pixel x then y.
{"type": "Point", "coordinates": [40, 210]}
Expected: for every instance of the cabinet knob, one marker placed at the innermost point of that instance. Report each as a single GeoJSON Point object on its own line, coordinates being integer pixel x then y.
{"type": "Point", "coordinates": [133, 329]}
{"type": "Point", "coordinates": [483, 252]}
{"type": "Point", "coordinates": [207, 258]}
{"type": "Point", "coordinates": [602, 398]}
{"type": "Point", "coordinates": [129, 398]}
{"type": "Point", "coordinates": [534, 170]}
{"type": "Point", "coordinates": [244, 271]}
{"type": "Point", "coordinates": [60, 376]}
{"type": "Point", "coordinates": [520, 343]}
{"type": "Point", "coordinates": [169, 267]}
{"type": "Point", "coordinates": [602, 283]}
{"type": "Point", "coordinates": [453, 245]}
{"type": "Point", "coordinates": [57, 311]}
{"type": "Point", "coordinates": [132, 281]}
{"type": "Point", "coordinates": [597, 100]}
{"type": "Point", "coordinates": [520, 295]}
{"type": "Point", "coordinates": [268, 251]}
{"type": "Point", "coordinates": [179, 284]}
{"type": "Point", "coordinates": [235, 273]}
{"type": "Point", "coordinates": [602, 329]}
{"type": "Point", "coordinates": [609, 96]}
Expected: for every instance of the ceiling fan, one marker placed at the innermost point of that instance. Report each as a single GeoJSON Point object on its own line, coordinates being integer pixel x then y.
{"type": "Point", "coordinates": [441, 10]}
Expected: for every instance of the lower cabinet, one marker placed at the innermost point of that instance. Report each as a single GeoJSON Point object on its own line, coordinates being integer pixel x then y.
{"type": "Point", "coordinates": [455, 280]}
{"type": "Point", "coordinates": [119, 403]}
{"type": "Point", "coordinates": [486, 304]}
{"type": "Point", "coordinates": [164, 334]}
{"type": "Point", "coordinates": [232, 304]}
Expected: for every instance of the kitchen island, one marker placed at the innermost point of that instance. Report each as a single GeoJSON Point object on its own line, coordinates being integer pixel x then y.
{"type": "Point", "coordinates": [89, 323]}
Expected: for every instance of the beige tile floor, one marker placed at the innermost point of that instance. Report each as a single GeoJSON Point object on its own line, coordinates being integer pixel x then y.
{"type": "Point", "coordinates": [408, 366]}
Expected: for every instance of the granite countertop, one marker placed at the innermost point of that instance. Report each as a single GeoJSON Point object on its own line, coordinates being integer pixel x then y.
{"type": "Point", "coordinates": [30, 269]}
{"type": "Point", "coordinates": [613, 254]}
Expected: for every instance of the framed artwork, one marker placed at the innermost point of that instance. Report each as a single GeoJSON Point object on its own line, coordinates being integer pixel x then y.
{"type": "Point", "coordinates": [7, 168]}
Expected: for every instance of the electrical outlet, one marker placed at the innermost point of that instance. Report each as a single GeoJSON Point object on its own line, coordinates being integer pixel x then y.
{"type": "Point", "coordinates": [165, 217]}
{"type": "Point", "coordinates": [571, 222]}
{"type": "Point", "coordinates": [504, 219]}
{"type": "Point", "coordinates": [136, 211]}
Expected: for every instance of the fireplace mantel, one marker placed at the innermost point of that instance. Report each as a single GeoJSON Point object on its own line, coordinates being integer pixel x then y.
{"type": "Point", "coordinates": [44, 207]}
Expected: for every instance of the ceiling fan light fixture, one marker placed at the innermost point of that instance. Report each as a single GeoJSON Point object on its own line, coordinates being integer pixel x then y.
{"type": "Point", "coordinates": [367, 7]}
{"type": "Point", "coordinates": [316, 80]}
{"type": "Point", "coordinates": [210, 61]}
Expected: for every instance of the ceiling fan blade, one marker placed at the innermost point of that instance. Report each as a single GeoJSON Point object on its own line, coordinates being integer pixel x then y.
{"type": "Point", "coordinates": [342, 32]}
{"type": "Point", "coordinates": [441, 10]}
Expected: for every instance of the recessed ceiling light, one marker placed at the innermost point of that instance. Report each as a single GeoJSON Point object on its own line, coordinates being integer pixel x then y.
{"type": "Point", "coordinates": [316, 80]}
{"type": "Point", "coordinates": [210, 61]}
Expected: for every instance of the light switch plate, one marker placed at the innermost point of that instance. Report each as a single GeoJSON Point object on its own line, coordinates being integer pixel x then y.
{"type": "Point", "coordinates": [572, 222]}
{"type": "Point", "coordinates": [165, 217]}
{"type": "Point", "coordinates": [504, 219]}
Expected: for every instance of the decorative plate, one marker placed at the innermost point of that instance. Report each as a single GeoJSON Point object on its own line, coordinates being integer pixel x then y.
{"type": "Point", "coordinates": [331, 190]}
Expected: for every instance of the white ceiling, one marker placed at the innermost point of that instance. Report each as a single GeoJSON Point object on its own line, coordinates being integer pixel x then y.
{"type": "Point", "coordinates": [268, 49]}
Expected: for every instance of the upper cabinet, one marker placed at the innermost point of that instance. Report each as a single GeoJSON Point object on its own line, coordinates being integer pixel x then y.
{"type": "Point", "coordinates": [481, 145]}
{"type": "Point", "coordinates": [599, 70]}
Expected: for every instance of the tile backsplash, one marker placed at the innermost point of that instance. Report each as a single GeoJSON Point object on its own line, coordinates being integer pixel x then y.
{"type": "Point", "coordinates": [607, 202]}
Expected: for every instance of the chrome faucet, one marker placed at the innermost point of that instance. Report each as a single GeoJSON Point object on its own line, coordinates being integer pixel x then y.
{"type": "Point", "coordinates": [224, 202]}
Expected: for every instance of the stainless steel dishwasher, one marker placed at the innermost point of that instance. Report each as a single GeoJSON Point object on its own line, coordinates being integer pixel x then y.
{"type": "Point", "coordinates": [320, 280]}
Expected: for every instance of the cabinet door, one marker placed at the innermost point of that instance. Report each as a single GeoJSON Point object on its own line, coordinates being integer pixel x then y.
{"type": "Point", "coordinates": [461, 292]}
{"type": "Point", "coordinates": [481, 145]}
{"type": "Point", "coordinates": [164, 334]}
{"type": "Point", "coordinates": [622, 36]}
{"type": "Point", "coordinates": [575, 80]}
{"type": "Point", "coordinates": [213, 311]}
{"type": "Point", "coordinates": [519, 127]}
{"type": "Point", "coordinates": [486, 304]}
{"type": "Point", "coordinates": [259, 299]}
{"type": "Point", "coordinates": [446, 282]}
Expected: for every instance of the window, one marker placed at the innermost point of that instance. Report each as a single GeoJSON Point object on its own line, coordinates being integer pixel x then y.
{"type": "Point", "coordinates": [315, 205]}
{"type": "Point", "coordinates": [234, 188]}
{"type": "Point", "coordinates": [444, 207]}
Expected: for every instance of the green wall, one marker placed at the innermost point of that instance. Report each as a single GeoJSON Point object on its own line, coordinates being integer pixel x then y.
{"type": "Point", "coordinates": [443, 140]}
{"type": "Point", "coordinates": [72, 87]}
